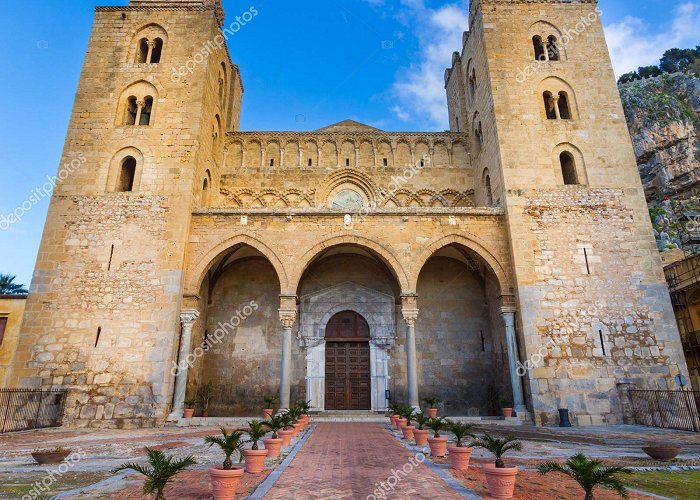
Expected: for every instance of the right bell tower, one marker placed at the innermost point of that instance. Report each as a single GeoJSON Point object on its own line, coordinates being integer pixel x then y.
{"type": "Point", "coordinates": [535, 90]}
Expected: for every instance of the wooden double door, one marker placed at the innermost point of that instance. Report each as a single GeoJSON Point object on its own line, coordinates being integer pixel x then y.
{"type": "Point", "coordinates": [348, 379]}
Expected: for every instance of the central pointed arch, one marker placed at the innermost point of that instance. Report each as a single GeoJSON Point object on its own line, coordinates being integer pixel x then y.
{"type": "Point", "coordinates": [380, 251]}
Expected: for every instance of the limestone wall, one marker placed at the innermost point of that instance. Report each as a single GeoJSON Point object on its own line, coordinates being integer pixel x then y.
{"type": "Point", "coordinates": [566, 306]}
{"type": "Point", "coordinates": [12, 309]}
{"type": "Point", "coordinates": [102, 318]}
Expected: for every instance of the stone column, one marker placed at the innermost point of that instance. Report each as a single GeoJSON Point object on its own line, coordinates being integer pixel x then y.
{"type": "Point", "coordinates": [513, 358]}
{"type": "Point", "coordinates": [410, 316]}
{"type": "Point", "coordinates": [555, 102]}
{"type": "Point", "coordinates": [139, 109]}
{"type": "Point", "coordinates": [151, 46]}
{"type": "Point", "coordinates": [288, 315]}
{"type": "Point", "coordinates": [187, 318]}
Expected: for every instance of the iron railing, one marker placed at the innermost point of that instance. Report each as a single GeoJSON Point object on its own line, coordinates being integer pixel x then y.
{"type": "Point", "coordinates": [25, 409]}
{"type": "Point", "coordinates": [667, 409]}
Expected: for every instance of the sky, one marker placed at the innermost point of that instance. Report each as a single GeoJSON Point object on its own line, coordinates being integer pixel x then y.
{"type": "Point", "coordinates": [304, 65]}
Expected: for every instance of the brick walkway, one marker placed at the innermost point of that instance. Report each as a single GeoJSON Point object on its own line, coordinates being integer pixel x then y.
{"type": "Point", "coordinates": [349, 460]}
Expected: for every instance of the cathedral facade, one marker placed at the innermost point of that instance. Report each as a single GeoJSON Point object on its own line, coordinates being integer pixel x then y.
{"type": "Point", "coordinates": [507, 262]}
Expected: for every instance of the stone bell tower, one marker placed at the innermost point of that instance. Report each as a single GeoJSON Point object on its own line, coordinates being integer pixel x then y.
{"type": "Point", "coordinates": [156, 96]}
{"type": "Point", "coordinates": [535, 88]}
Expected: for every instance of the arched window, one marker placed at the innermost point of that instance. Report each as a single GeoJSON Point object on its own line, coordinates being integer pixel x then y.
{"type": "Point", "coordinates": [568, 168]}
{"type": "Point", "coordinates": [205, 192]}
{"type": "Point", "coordinates": [564, 108]}
{"type": "Point", "coordinates": [142, 51]}
{"type": "Point", "coordinates": [549, 106]}
{"type": "Point", "coordinates": [472, 83]}
{"type": "Point", "coordinates": [311, 162]}
{"type": "Point", "coordinates": [552, 49]}
{"type": "Point", "coordinates": [146, 111]}
{"type": "Point", "coordinates": [127, 173]}
{"type": "Point", "coordinates": [157, 51]}
{"type": "Point", "coordinates": [488, 192]}
{"type": "Point", "coordinates": [539, 49]}
{"type": "Point", "coordinates": [131, 111]}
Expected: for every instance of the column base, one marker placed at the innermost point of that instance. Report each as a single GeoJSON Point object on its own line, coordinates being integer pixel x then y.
{"type": "Point", "coordinates": [522, 413]}
{"type": "Point", "coordinates": [175, 416]}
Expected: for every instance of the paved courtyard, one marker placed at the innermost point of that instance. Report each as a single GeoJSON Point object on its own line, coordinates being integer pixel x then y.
{"type": "Point", "coordinates": [330, 461]}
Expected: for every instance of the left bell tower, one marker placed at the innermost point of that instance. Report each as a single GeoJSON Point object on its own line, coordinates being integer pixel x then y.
{"type": "Point", "coordinates": [156, 96]}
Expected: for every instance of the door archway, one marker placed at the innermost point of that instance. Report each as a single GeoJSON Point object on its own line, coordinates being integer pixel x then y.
{"type": "Point", "coordinates": [348, 377]}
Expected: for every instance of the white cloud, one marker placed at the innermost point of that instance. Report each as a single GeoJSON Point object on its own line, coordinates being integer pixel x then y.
{"type": "Point", "coordinates": [419, 89]}
{"type": "Point", "coordinates": [632, 42]}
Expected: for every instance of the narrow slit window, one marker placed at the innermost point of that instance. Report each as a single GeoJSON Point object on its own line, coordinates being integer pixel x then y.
{"type": "Point", "coordinates": [111, 256]}
{"type": "Point", "coordinates": [386, 162]}
{"type": "Point", "coordinates": [602, 342]}
{"type": "Point", "coordinates": [588, 265]}
{"type": "Point", "coordinates": [347, 162]}
{"type": "Point", "coordinates": [311, 162]}
{"type": "Point", "coordinates": [272, 162]}
{"type": "Point", "coordinates": [97, 337]}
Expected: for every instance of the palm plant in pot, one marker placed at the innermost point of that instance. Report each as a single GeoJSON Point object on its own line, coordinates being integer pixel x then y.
{"type": "Point", "coordinates": [274, 444]}
{"type": "Point", "coordinates": [295, 413]}
{"type": "Point", "coordinates": [287, 430]}
{"type": "Point", "coordinates": [409, 414]}
{"type": "Point", "coordinates": [589, 474]}
{"type": "Point", "coordinates": [394, 409]}
{"type": "Point", "coordinates": [255, 457]}
{"type": "Point", "coordinates": [501, 479]}
{"type": "Point", "coordinates": [459, 453]}
{"type": "Point", "coordinates": [269, 406]}
{"type": "Point", "coordinates": [190, 405]}
{"type": "Point", "coordinates": [204, 394]}
{"type": "Point", "coordinates": [305, 407]}
{"type": "Point", "coordinates": [159, 471]}
{"type": "Point", "coordinates": [420, 434]}
{"type": "Point", "coordinates": [507, 406]}
{"type": "Point", "coordinates": [437, 443]}
{"type": "Point", "coordinates": [432, 404]}
{"type": "Point", "coordinates": [401, 421]}
{"type": "Point", "coordinates": [225, 480]}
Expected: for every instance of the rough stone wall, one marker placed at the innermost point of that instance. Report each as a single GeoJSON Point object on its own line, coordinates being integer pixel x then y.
{"type": "Point", "coordinates": [456, 342]}
{"type": "Point", "coordinates": [12, 308]}
{"type": "Point", "coordinates": [608, 206]}
{"type": "Point", "coordinates": [102, 318]}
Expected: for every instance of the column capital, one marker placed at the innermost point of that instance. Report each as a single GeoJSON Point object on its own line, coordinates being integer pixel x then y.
{"type": "Point", "coordinates": [188, 317]}
{"type": "Point", "coordinates": [410, 316]}
{"type": "Point", "coordinates": [288, 317]}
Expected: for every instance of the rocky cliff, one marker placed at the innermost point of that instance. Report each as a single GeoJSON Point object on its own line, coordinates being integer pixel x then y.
{"type": "Point", "coordinates": [663, 115]}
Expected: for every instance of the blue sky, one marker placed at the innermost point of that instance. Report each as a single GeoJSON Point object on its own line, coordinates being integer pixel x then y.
{"type": "Point", "coordinates": [304, 65]}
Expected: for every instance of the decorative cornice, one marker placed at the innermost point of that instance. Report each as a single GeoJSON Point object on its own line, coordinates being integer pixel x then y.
{"type": "Point", "coordinates": [323, 211]}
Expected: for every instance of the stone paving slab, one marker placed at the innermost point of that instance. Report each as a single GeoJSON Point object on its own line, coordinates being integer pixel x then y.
{"type": "Point", "coordinates": [350, 461]}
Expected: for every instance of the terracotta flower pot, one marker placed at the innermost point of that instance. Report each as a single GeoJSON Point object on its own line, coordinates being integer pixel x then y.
{"type": "Point", "coordinates": [306, 417]}
{"type": "Point", "coordinates": [273, 446]}
{"type": "Point", "coordinates": [188, 412]}
{"type": "Point", "coordinates": [662, 453]}
{"type": "Point", "coordinates": [421, 437]}
{"type": "Point", "coordinates": [50, 457]}
{"type": "Point", "coordinates": [205, 413]}
{"type": "Point", "coordinates": [459, 457]}
{"type": "Point", "coordinates": [286, 436]}
{"type": "Point", "coordinates": [438, 446]}
{"type": "Point", "coordinates": [501, 481]}
{"type": "Point", "coordinates": [431, 412]}
{"type": "Point", "coordinates": [267, 413]}
{"type": "Point", "coordinates": [507, 412]}
{"type": "Point", "coordinates": [224, 483]}
{"type": "Point", "coordinates": [297, 428]}
{"type": "Point", "coordinates": [254, 460]}
{"type": "Point", "coordinates": [408, 432]}
{"type": "Point", "coordinates": [394, 418]}
{"type": "Point", "coordinates": [400, 423]}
